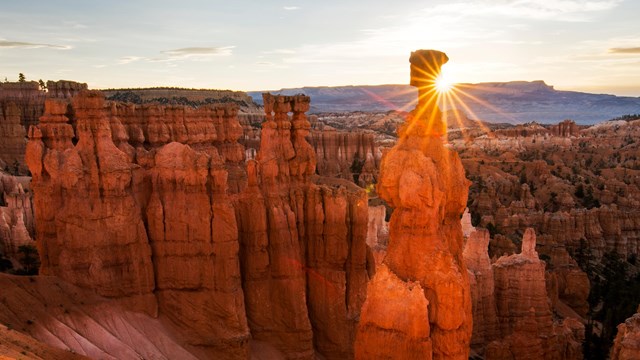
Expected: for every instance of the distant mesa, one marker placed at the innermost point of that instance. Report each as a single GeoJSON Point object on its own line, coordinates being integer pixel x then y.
{"type": "Point", "coordinates": [504, 102]}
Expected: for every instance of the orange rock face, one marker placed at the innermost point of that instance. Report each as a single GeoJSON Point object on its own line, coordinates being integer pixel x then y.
{"type": "Point", "coordinates": [347, 155]}
{"type": "Point", "coordinates": [425, 184]}
{"type": "Point", "coordinates": [155, 207]}
{"type": "Point", "coordinates": [394, 322]}
{"type": "Point", "coordinates": [21, 105]}
{"type": "Point", "coordinates": [302, 244]}
{"type": "Point", "coordinates": [13, 137]}
{"type": "Point", "coordinates": [524, 312]}
{"type": "Point", "coordinates": [520, 286]}
{"type": "Point", "coordinates": [566, 128]}
{"type": "Point", "coordinates": [485, 318]}
{"type": "Point", "coordinates": [626, 346]}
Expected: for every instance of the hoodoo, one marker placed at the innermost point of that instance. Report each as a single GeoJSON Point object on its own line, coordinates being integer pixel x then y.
{"type": "Point", "coordinates": [418, 305]}
{"type": "Point", "coordinates": [155, 208]}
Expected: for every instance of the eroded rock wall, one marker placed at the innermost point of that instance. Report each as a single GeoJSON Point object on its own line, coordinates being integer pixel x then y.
{"type": "Point", "coordinates": [21, 105]}
{"type": "Point", "coordinates": [485, 319]}
{"type": "Point", "coordinates": [156, 208]}
{"type": "Point", "coordinates": [303, 242]}
{"type": "Point", "coordinates": [348, 155]}
{"type": "Point", "coordinates": [527, 328]}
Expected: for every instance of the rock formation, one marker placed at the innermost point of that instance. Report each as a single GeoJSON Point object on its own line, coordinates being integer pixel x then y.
{"type": "Point", "coordinates": [524, 312]}
{"type": "Point", "coordinates": [467, 226]}
{"type": "Point", "coordinates": [296, 234]}
{"type": "Point", "coordinates": [627, 343]}
{"type": "Point", "coordinates": [64, 89]}
{"type": "Point", "coordinates": [520, 286]}
{"type": "Point", "coordinates": [347, 155]}
{"type": "Point", "coordinates": [565, 128]}
{"type": "Point", "coordinates": [182, 228]}
{"type": "Point", "coordinates": [21, 105]}
{"type": "Point", "coordinates": [419, 303]}
{"type": "Point", "coordinates": [14, 140]}
{"type": "Point", "coordinates": [27, 96]}
{"type": "Point", "coordinates": [249, 113]}
{"type": "Point", "coordinates": [485, 318]}
{"type": "Point", "coordinates": [16, 217]}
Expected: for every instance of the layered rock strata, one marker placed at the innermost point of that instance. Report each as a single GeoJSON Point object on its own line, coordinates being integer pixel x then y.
{"type": "Point", "coordinates": [21, 105]}
{"type": "Point", "coordinates": [302, 244]}
{"type": "Point", "coordinates": [64, 89]}
{"type": "Point", "coordinates": [485, 318]}
{"type": "Point", "coordinates": [27, 96]}
{"type": "Point", "coordinates": [14, 139]}
{"type": "Point", "coordinates": [419, 303]}
{"type": "Point", "coordinates": [348, 155]}
{"type": "Point", "coordinates": [156, 208]}
{"type": "Point", "coordinates": [527, 328]}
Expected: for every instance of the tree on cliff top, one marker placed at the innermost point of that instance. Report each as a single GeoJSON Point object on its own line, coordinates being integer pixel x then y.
{"type": "Point", "coordinates": [21, 77]}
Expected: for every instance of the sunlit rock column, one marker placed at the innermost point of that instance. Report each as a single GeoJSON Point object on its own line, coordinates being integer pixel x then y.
{"type": "Point", "coordinates": [485, 318]}
{"type": "Point", "coordinates": [418, 304]}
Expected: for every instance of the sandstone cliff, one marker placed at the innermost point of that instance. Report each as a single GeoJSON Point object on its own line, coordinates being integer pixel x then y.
{"type": "Point", "coordinates": [302, 244]}
{"type": "Point", "coordinates": [485, 318]}
{"type": "Point", "coordinates": [14, 139]}
{"type": "Point", "coordinates": [419, 304]}
{"type": "Point", "coordinates": [348, 155]}
{"type": "Point", "coordinates": [21, 105]}
{"type": "Point", "coordinates": [156, 209]}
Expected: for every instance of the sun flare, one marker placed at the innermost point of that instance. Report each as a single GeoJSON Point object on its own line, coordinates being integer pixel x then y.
{"type": "Point", "coordinates": [443, 84]}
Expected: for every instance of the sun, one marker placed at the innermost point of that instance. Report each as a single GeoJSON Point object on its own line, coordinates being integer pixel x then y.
{"type": "Point", "coordinates": [443, 84]}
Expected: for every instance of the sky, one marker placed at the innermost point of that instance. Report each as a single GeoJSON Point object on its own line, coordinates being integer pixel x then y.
{"type": "Point", "coordinates": [582, 45]}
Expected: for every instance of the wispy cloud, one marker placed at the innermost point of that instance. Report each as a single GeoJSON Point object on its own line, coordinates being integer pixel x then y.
{"type": "Point", "coordinates": [454, 25]}
{"type": "Point", "coordinates": [190, 52]}
{"type": "Point", "coordinates": [28, 45]}
{"type": "Point", "coordinates": [279, 52]}
{"type": "Point", "coordinates": [129, 59]}
{"type": "Point", "coordinates": [290, 8]}
{"type": "Point", "coordinates": [75, 25]}
{"type": "Point", "coordinates": [625, 50]}
{"type": "Point", "coordinates": [556, 10]}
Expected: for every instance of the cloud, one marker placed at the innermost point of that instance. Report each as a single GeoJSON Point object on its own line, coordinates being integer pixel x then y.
{"type": "Point", "coordinates": [557, 10]}
{"type": "Point", "coordinates": [279, 52]}
{"type": "Point", "coordinates": [129, 59]}
{"type": "Point", "coordinates": [625, 50]}
{"type": "Point", "coordinates": [75, 25]}
{"type": "Point", "coordinates": [290, 8]}
{"type": "Point", "coordinates": [28, 45]}
{"type": "Point", "coordinates": [190, 52]}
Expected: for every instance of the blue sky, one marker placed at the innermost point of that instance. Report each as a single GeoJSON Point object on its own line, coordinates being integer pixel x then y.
{"type": "Point", "coordinates": [591, 45]}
